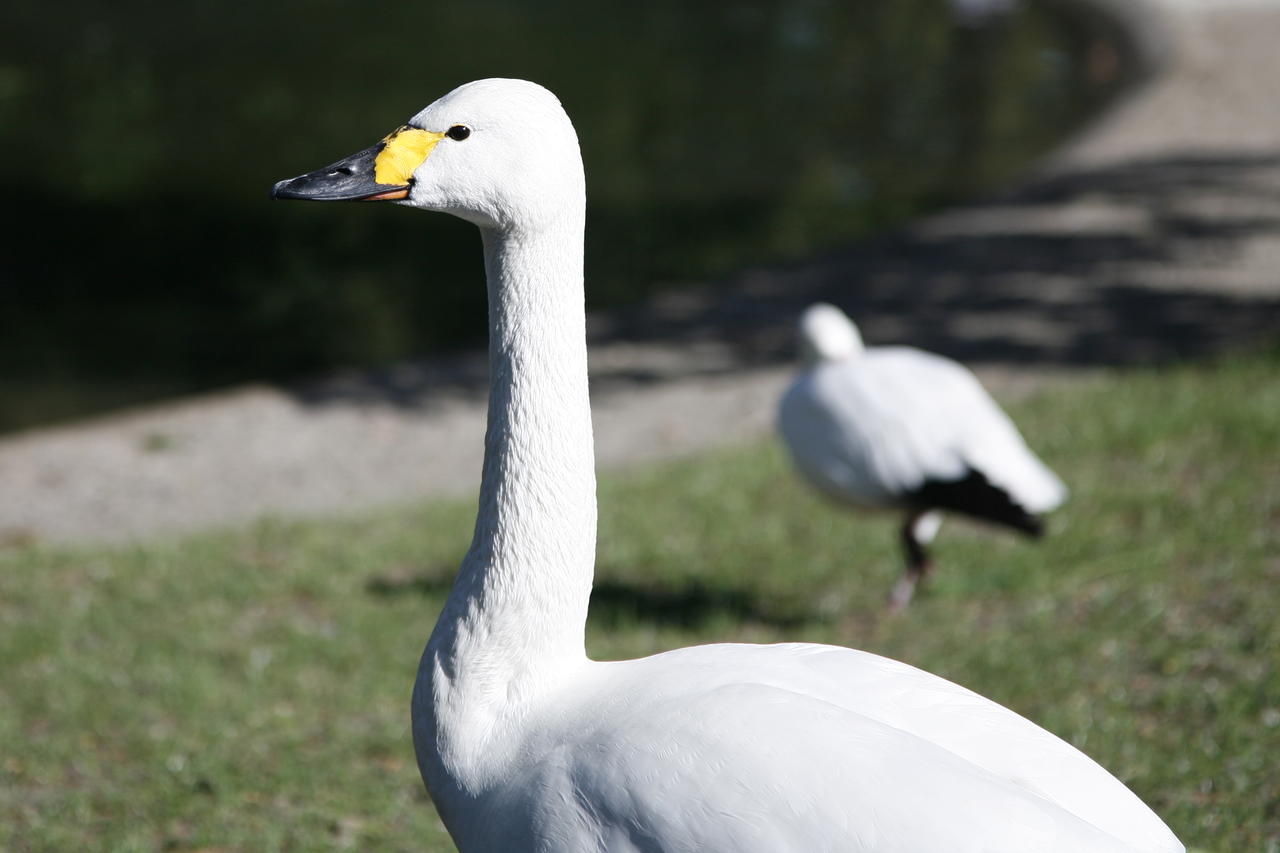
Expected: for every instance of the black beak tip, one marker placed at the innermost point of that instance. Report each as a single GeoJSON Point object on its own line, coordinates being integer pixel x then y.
{"type": "Point", "coordinates": [281, 190]}
{"type": "Point", "coordinates": [351, 179]}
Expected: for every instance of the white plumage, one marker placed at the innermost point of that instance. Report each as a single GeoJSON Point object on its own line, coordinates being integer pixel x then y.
{"type": "Point", "coordinates": [526, 744]}
{"type": "Point", "coordinates": [896, 427]}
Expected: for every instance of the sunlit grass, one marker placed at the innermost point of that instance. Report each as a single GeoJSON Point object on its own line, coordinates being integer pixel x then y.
{"type": "Point", "coordinates": [249, 690]}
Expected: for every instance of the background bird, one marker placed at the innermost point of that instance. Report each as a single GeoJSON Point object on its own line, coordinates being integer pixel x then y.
{"type": "Point", "coordinates": [897, 427]}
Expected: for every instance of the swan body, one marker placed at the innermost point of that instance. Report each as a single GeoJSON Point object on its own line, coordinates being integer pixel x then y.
{"type": "Point", "coordinates": [791, 748]}
{"type": "Point", "coordinates": [526, 744]}
{"type": "Point", "coordinates": [897, 427]}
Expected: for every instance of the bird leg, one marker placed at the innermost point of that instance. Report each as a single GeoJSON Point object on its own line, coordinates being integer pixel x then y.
{"type": "Point", "coordinates": [917, 559]}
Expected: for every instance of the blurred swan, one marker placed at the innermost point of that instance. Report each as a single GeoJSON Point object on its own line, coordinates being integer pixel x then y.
{"type": "Point", "coordinates": [902, 428]}
{"type": "Point", "coordinates": [524, 742]}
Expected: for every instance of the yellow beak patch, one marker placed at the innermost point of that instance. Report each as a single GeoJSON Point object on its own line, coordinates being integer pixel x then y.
{"type": "Point", "coordinates": [403, 151]}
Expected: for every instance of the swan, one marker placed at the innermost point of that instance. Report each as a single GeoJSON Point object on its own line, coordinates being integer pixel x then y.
{"type": "Point", "coordinates": [524, 742]}
{"type": "Point", "coordinates": [898, 427]}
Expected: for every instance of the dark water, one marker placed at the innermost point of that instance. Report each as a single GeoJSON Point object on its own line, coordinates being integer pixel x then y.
{"type": "Point", "coordinates": [142, 258]}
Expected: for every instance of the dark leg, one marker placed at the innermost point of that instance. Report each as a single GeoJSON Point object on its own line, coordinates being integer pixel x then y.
{"type": "Point", "coordinates": [917, 560]}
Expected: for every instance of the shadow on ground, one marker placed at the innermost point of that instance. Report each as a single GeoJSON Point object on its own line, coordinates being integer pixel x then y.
{"type": "Point", "coordinates": [619, 603]}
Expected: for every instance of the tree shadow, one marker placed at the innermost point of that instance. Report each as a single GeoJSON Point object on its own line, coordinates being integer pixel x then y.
{"type": "Point", "coordinates": [1111, 266]}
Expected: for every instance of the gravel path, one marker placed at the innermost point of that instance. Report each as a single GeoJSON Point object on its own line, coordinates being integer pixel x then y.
{"type": "Point", "coordinates": [1154, 236]}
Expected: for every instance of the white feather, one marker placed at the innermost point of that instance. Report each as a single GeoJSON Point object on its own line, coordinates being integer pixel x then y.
{"type": "Point", "coordinates": [870, 425]}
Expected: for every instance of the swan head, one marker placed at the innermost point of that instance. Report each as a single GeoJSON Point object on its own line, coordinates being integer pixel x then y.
{"type": "Point", "coordinates": [827, 334]}
{"type": "Point", "coordinates": [499, 153]}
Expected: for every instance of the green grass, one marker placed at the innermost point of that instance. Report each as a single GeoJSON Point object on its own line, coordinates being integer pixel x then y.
{"type": "Point", "coordinates": [249, 690]}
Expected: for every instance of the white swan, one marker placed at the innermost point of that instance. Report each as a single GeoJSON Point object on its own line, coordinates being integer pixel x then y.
{"type": "Point", "coordinates": [525, 743]}
{"type": "Point", "coordinates": [903, 428]}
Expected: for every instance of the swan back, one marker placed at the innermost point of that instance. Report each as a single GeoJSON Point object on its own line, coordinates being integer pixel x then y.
{"type": "Point", "coordinates": [873, 430]}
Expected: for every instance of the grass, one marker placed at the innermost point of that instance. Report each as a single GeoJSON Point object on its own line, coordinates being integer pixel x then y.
{"type": "Point", "coordinates": [249, 690]}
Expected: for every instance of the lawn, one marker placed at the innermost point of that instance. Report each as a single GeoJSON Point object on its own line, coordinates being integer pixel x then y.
{"type": "Point", "coordinates": [248, 690]}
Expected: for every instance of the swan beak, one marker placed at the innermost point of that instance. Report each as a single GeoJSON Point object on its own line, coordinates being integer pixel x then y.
{"type": "Point", "coordinates": [382, 172]}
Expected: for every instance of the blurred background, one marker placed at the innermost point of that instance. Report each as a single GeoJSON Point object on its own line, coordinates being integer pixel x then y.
{"type": "Point", "coordinates": [143, 260]}
{"type": "Point", "coordinates": [240, 441]}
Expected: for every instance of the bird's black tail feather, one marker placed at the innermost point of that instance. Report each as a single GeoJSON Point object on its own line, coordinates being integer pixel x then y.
{"type": "Point", "coordinates": [974, 495]}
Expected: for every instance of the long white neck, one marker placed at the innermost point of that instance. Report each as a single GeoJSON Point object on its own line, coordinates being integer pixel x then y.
{"type": "Point", "coordinates": [528, 573]}
{"type": "Point", "coordinates": [517, 612]}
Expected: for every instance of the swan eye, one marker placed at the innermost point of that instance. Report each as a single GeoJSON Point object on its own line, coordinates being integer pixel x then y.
{"type": "Point", "coordinates": [458, 132]}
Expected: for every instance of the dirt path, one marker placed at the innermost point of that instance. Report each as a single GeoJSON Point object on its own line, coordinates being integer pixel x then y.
{"type": "Point", "coordinates": [1153, 237]}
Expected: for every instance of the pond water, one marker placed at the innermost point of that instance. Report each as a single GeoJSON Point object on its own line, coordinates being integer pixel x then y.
{"type": "Point", "coordinates": [139, 142]}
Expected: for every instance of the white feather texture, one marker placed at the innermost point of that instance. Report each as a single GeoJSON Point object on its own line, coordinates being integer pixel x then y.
{"type": "Point", "coordinates": [871, 425]}
{"type": "Point", "coordinates": [527, 745]}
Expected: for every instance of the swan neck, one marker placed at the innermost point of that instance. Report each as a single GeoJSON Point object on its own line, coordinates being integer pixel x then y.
{"type": "Point", "coordinates": [520, 601]}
